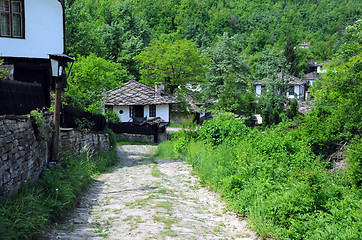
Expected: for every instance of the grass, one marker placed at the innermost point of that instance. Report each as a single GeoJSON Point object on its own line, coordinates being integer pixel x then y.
{"type": "Point", "coordinates": [26, 215]}
{"type": "Point", "coordinates": [176, 125]}
{"type": "Point", "coordinates": [156, 171]}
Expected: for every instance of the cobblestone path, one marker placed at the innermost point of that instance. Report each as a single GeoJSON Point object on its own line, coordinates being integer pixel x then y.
{"type": "Point", "coordinates": [146, 198]}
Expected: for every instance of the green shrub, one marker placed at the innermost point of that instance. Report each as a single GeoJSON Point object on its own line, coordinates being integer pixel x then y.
{"type": "Point", "coordinates": [223, 128]}
{"type": "Point", "coordinates": [112, 138]}
{"type": "Point", "coordinates": [111, 116]}
{"type": "Point", "coordinates": [354, 162]}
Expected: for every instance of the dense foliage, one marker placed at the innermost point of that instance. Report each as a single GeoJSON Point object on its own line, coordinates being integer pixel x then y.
{"type": "Point", "coordinates": [91, 77]}
{"type": "Point", "coordinates": [274, 178]}
{"type": "Point", "coordinates": [162, 41]}
{"type": "Point", "coordinates": [27, 215]}
{"type": "Point", "coordinates": [171, 63]}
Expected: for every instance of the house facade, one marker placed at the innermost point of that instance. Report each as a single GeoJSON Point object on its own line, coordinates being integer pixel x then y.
{"type": "Point", "coordinates": [30, 30]}
{"type": "Point", "coordinates": [136, 102]}
{"type": "Point", "coordinates": [295, 86]}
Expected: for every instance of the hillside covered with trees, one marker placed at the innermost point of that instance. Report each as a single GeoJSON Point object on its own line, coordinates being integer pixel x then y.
{"type": "Point", "coordinates": [221, 44]}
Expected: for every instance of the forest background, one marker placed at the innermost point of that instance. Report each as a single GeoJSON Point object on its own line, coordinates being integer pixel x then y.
{"type": "Point", "coordinates": [224, 45]}
{"type": "Point", "coordinates": [282, 177]}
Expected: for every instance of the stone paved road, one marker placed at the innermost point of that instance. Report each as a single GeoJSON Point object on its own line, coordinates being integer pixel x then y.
{"type": "Point", "coordinates": [146, 198]}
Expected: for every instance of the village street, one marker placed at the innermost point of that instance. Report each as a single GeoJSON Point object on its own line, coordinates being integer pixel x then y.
{"type": "Point", "coordinates": [147, 198]}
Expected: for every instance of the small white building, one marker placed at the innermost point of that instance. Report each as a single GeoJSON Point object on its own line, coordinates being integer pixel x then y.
{"type": "Point", "coordinates": [136, 102]}
{"type": "Point", "coordinates": [295, 86]}
{"type": "Point", "coordinates": [309, 79]}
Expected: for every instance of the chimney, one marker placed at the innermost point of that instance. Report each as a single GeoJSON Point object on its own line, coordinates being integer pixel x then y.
{"type": "Point", "coordinates": [160, 89]}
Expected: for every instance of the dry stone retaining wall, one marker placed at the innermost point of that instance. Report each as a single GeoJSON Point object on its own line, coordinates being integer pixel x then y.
{"type": "Point", "coordinates": [76, 140]}
{"type": "Point", "coordinates": [25, 153]}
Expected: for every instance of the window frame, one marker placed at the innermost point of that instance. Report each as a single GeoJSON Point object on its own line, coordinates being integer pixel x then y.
{"type": "Point", "coordinates": [152, 111]}
{"type": "Point", "coordinates": [11, 22]}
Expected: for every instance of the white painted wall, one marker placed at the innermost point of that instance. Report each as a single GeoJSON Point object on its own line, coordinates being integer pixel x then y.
{"type": "Point", "coordinates": [258, 90]}
{"type": "Point", "coordinates": [125, 115]}
{"type": "Point", "coordinates": [162, 111]}
{"type": "Point", "coordinates": [43, 31]}
{"type": "Point", "coordinates": [298, 92]}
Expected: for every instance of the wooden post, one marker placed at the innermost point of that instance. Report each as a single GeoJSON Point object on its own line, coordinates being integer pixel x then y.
{"type": "Point", "coordinates": [56, 119]}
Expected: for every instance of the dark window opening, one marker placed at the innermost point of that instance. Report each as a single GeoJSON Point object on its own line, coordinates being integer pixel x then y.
{"type": "Point", "coordinates": [152, 111]}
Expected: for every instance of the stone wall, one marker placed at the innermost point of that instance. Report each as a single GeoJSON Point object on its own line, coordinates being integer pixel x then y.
{"type": "Point", "coordinates": [161, 137]}
{"type": "Point", "coordinates": [134, 137]}
{"type": "Point", "coordinates": [25, 152]}
{"type": "Point", "coordinates": [75, 140]}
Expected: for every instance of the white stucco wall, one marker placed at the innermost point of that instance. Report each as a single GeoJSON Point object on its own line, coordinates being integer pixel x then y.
{"type": "Point", "coordinates": [43, 31]}
{"type": "Point", "coordinates": [162, 111]}
{"type": "Point", "coordinates": [125, 115]}
{"type": "Point", "coordinates": [258, 89]}
{"type": "Point", "coordinates": [298, 92]}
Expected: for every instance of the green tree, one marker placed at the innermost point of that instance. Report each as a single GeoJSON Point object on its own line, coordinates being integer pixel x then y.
{"type": "Point", "coordinates": [91, 77]}
{"type": "Point", "coordinates": [226, 78]}
{"type": "Point", "coordinates": [340, 88]}
{"type": "Point", "coordinates": [269, 64]}
{"type": "Point", "coordinates": [80, 35]}
{"type": "Point", "coordinates": [124, 36]}
{"type": "Point", "coordinates": [172, 63]}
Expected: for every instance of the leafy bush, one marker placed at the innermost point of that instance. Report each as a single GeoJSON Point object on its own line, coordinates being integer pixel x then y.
{"type": "Point", "coordinates": [222, 128]}
{"type": "Point", "coordinates": [27, 215]}
{"type": "Point", "coordinates": [293, 110]}
{"type": "Point", "coordinates": [112, 138]}
{"type": "Point", "coordinates": [111, 116]}
{"type": "Point", "coordinates": [354, 162]}
{"type": "Point", "coordinates": [4, 73]}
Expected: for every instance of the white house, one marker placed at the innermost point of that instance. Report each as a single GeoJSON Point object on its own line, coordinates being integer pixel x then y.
{"type": "Point", "coordinates": [30, 30]}
{"type": "Point", "coordinates": [135, 102]}
{"type": "Point", "coordinates": [295, 86]}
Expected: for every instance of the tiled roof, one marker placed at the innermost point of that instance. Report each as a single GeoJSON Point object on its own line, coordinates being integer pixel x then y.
{"type": "Point", "coordinates": [291, 80]}
{"type": "Point", "coordinates": [136, 93]}
{"type": "Point", "coordinates": [311, 76]}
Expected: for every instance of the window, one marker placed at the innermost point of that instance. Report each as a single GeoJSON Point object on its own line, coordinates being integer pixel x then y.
{"type": "Point", "coordinates": [12, 18]}
{"type": "Point", "coordinates": [152, 110]}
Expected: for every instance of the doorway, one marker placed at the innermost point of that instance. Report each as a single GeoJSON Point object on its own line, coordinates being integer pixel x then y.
{"type": "Point", "coordinates": [139, 113]}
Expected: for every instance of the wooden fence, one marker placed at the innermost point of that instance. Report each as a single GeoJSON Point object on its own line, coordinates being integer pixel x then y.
{"type": "Point", "coordinates": [19, 98]}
